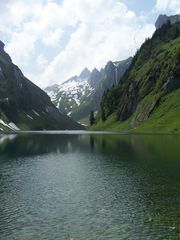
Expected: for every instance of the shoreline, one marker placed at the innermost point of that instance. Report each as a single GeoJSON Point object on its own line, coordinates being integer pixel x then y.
{"type": "Point", "coordinates": [93, 132]}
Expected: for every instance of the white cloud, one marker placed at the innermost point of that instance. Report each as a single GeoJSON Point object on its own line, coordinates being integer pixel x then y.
{"type": "Point", "coordinates": [52, 37]}
{"type": "Point", "coordinates": [41, 61]}
{"type": "Point", "coordinates": [107, 30]}
{"type": "Point", "coordinates": [15, 12]}
{"type": "Point", "coordinates": [104, 30]}
{"type": "Point", "coordinates": [172, 6]}
{"type": "Point", "coordinates": [29, 24]}
{"type": "Point", "coordinates": [21, 47]}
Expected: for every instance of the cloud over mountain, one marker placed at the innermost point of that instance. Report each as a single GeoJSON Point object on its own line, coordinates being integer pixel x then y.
{"type": "Point", "coordinates": [52, 40]}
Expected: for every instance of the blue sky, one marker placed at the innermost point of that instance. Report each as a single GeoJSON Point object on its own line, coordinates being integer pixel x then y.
{"type": "Point", "coordinates": [140, 5]}
{"type": "Point", "coordinates": [52, 40]}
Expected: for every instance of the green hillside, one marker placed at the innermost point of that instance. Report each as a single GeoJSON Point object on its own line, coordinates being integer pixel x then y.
{"type": "Point", "coordinates": [148, 97]}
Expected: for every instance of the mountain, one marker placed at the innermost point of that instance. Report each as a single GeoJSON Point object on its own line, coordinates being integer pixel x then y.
{"type": "Point", "coordinates": [23, 105]}
{"type": "Point", "coordinates": [79, 95]}
{"type": "Point", "coordinates": [110, 75]}
{"type": "Point", "coordinates": [148, 95]}
{"type": "Point", "coordinates": [163, 19]}
{"type": "Point", "coordinates": [72, 95]}
{"type": "Point", "coordinates": [85, 74]}
{"type": "Point", "coordinates": [95, 77]}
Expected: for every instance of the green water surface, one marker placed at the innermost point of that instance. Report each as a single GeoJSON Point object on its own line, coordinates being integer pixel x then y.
{"type": "Point", "coordinates": [89, 186]}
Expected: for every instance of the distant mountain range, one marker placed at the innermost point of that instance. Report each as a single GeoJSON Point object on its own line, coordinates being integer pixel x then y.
{"type": "Point", "coordinates": [23, 105]}
{"type": "Point", "coordinates": [77, 96]}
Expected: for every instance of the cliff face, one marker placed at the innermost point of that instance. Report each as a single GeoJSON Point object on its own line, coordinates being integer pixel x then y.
{"type": "Point", "coordinates": [24, 104]}
{"type": "Point", "coordinates": [110, 76]}
{"type": "Point", "coordinates": [153, 74]}
{"type": "Point", "coordinates": [95, 78]}
{"type": "Point", "coordinates": [163, 19]}
{"type": "Point", "coordinates": [3, 53]}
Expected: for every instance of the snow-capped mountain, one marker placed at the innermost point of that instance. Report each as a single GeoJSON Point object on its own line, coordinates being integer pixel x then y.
{"type": "Point", "coordinates": [72, 94]}
{"type": "Point", "coordinates": [79, 95]}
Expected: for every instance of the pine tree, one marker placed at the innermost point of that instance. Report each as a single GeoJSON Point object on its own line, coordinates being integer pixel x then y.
{"type": "Point", "coordinates": [103, 117]}
{"type": "Point", "coordinates": [92, 119]}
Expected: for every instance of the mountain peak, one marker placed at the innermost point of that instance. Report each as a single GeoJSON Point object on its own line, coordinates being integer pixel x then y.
{"type": "Point", "coordinates": [163, 19]}
{"type": "Point", "coordinates": [94, 78]}
{"type": "Point", "coordinates": [109, 65]}
{"type": "Point", "coordinates": [95, 70]}
{"type": "Point", "coordinates": [2, 45]}
{"type": "Point", "coordinates": [85, 73]}
{"type": "Point", "coordinates": [3, 53]}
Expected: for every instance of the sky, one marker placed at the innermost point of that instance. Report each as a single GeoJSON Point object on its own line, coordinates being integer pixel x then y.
{"type": "Point", "coordinates": [53, 40]}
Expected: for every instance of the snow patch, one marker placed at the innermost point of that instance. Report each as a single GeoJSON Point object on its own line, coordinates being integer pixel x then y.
{"type": "Point", "coordinates": [13, 126]}
{"type": "Point", "coordinates": [72, 91]}
{"type": "Point", "coordinates": [3, 123]}
{"type": "Point", "coordinates": [69, 113]}
{"type": "Point", "coordinates": [77, 101]}
{"type": "Point", "coordinates": [29, 117]}
{"type": "Point", "coordinates": [37, 114]}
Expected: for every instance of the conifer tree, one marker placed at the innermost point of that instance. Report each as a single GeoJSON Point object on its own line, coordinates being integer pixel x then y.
{"type": "Point", "coordinates": [92, 119]}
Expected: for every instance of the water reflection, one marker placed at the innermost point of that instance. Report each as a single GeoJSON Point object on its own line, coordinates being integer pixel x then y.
{"type": "Point", "coordinates": [55, 186]}
{"type": "Point", "coordinates": [36, 144]}
{"type": "Point", "coordinates": [144, 147]}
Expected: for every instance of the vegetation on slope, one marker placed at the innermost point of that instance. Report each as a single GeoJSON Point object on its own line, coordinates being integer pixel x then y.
{"type": "Point", "coordinates": [164, 119]}
{"type": "Point", "coordinates": [148, 86]}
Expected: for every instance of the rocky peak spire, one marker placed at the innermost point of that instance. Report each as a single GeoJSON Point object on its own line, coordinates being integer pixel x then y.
{"type": "Point", "coordinates": [163, 19]}
{"type": "Point", "coordinates": [85, 73]}
{"type": "Point", "coordinates": [3, 53]}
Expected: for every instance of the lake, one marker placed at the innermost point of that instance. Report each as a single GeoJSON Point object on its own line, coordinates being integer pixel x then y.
{"type": "Point", "coordinates": [89, 186]}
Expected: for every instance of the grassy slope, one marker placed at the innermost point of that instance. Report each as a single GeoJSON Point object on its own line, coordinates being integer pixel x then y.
{"type": "Point", "coordinates": [167, 115]}
{"type": "Point", "coordinates": [164, 59]}
{"type": "Point", "coordinates": [165, 118]}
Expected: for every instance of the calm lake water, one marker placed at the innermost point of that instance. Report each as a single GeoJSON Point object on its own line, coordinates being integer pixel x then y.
{"type": "Point", "coordinates": [89, 187]}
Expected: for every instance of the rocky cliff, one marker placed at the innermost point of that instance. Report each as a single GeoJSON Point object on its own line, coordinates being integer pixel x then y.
{"type": "Point", "coordinates": [163, 19]}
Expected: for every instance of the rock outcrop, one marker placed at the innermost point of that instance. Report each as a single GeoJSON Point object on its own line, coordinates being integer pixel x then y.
{"type": "Point", "coordinates": [163, 19]}
{"type": "Point", "coordinates": [85, 73]}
